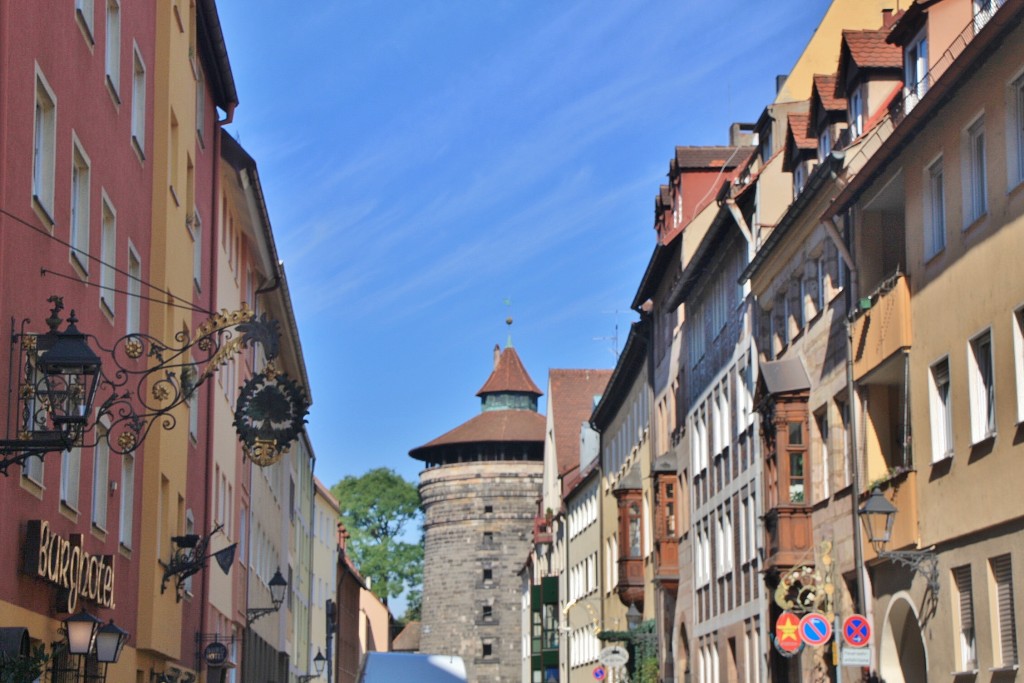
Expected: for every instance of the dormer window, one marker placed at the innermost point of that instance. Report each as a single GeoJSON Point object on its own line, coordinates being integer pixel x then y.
{"type": "Point", "coordinates": [856, 114]}
{"type": "Point", "coordinates": [915, 69]}
{"type": "Point", "coordinates": [983, 11]}
{"type": "Point", "coordinates": [766, 144]}
{"type": "Point", "coordinates": [824, 144]}
{"type": "Point", "coordinates": [799, 179]}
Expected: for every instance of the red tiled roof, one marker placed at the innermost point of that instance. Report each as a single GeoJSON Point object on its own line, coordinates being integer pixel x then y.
{"type": "Point", "coordinates": [491, 426]}
{"type": "Point", "coordinates": [509, 375]}
{"type": "Point", "coordinates": [868, 49]}
{"type": "Point", "coordinates": [570, 404]}
{"type": "Point", "coordinates": [825, 88]}
{"type": "Point", "coordinates": [798, 128]}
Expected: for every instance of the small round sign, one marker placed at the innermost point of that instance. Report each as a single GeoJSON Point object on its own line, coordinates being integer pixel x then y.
{"type": "Point", "coordinates": [215, 654]}
{"type": "Point", "coordinates": [599, 673]}
{"type": "Point", "coordinates": [815, 629]}
{"type": "Point", "coordinates": [787, 632]}
{"type": "Point", "coordinates": [856, 631]}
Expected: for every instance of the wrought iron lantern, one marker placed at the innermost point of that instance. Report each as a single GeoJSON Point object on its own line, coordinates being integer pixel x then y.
{"type": "Point", "coordinates": [878, 516]}
{"type": "Point", "coordinates": [86, 636]}
{"type": "Point", "coordinates": [81, 632]}
{"type": "Point", "coordinates": [633, 617]}
{"type": "Point", "coordinates": [58, 377]}
{"type": "Point", "coordinates": [319, 662]}
{"type": "Point", "coordinates": [110, 640]}
{"type": "Point", "coordinates": [278, 586]}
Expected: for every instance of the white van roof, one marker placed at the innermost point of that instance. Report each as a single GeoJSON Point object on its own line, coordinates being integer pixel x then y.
{"type": "Point", "coordinates": [388, 667]}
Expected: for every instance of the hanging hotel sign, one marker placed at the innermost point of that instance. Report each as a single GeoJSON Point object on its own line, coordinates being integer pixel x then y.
{"type": "Point", "coordinates": [65, 563]}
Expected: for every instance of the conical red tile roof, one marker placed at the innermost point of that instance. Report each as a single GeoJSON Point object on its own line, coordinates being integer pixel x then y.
{"type": "Point", "coordinates": [509, 375]}
{"type": "Point", "coordinates": [492, 426]}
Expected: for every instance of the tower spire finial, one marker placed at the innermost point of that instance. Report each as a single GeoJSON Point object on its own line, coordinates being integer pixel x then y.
{"type": "Point", "coordinates": [508, 321]}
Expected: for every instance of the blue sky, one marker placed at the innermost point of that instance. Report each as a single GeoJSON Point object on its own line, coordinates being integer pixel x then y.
{"type": "Point", "coordinates": [424, 161]}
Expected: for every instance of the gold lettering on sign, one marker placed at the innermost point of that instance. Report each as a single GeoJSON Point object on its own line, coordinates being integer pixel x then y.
{"type": "Point", "coordinates": [65, 563]}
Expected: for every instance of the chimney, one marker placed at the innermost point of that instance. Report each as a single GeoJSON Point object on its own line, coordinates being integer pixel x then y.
{"type": "Point", "coordinates": [497, 355]}
{"type": "Point", "coordinates": [741, 134]}
{"type": "Point", "coordinates": [887, 18]}
{"type": "Point", "coordinates": [342, 537]}
{"type": "Point", "coordinates": [780, 81]}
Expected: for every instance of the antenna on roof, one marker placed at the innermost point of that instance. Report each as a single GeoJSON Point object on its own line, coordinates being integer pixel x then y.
{"type": "Point", "coordinates": [614, 339]}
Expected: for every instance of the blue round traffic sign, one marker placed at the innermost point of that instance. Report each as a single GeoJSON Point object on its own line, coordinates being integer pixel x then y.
{"type": "Point", "coordinates": [599, 673]}
{"type": "Point", "coordinates": [815, 629]}
{"type": "Point", "coordinates": [856, 631]}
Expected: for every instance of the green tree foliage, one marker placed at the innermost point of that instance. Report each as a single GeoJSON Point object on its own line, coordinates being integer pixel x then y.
{"type": "Point", "coordinates": [23, 668]}
{"type": "Point", "coordinates": [377, 508]}
{"type": "Point", "coordinates": [414, 605]}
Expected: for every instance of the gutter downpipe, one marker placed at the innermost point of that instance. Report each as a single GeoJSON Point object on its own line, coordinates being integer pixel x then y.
{"type": "Point", "coordinates": [851, 403]}
{"type": "Point", "coordinates": [217, 218]}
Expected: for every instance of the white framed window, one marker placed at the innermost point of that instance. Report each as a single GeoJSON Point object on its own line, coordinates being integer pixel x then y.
{"type": "Point", "coordinates": [941, 411]}
{"type": "Point", "coordinates": [1018, 360]}
{"type": "Point", "coordinates": [824, 144]}
{"type": "Point", "coordinates": [982, 387]}
{"type": "Point", "coordinates": [138, 102]}
{"type": "Point", "coordinates": [1015, 137]}
{"type": "Point", "coordinates": [975, 181]}
{"type": "Point", "coordinates": [133, 307]}
{"type": "Point", "coordinates": [856, 113]}
{"type": "Point", "coordinates": [915, 69]}
{"type": "Point", "coordinates": [200, 104]}
{"type": "Point", "coordinates": [934, 210]}
{"type": "Point", "coordinates": [799, 178]}
{"type": "Point", "coordinates": [126, 514]}
{"type": "Point", "coordinates": [190, 528]}
{"type": "Point", "coordinates": [964, 601]}
{"type": "Point", "coordinates": [983, 12]}
{"type": "Point", "coordinates": [108, 255]}
{"type": "Point", "coordinates": [821, 422]}
{"type": "Point", "coordinates": [1002, 592]}
{"type": "Point", "coordinates": [81, 178]}
{"type": "Point", "coordinates": [70, 477]}
{"type": "Point", "coordinates": [44, 147]}
{"type": "Point", "coordinates": [193, 415]}
{"type": "Point", "coordinates": [100, 481]}
{"type": "Point", "coordinates": [112, 54]}
{"type": "Point", "coordinates": [85, 14]}
{"type": "Point", "coordinates": [196, 228]}
{"type": "Point", "coordinates": [33, 470]}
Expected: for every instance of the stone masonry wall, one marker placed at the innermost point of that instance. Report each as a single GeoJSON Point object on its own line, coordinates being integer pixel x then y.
{"type": "Point", "coordinates": [477, 517]}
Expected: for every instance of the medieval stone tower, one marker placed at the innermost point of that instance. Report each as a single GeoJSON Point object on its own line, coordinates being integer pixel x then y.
{"type": "Point", "coordinates": [479, 493]}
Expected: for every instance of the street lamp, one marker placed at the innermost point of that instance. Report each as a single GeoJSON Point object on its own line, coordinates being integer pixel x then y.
{"type": "Point", "coordinates": [318, 663]}
{"type": "Point", "coordinates": [277, 585]}
{"type": "Point", "coordinates": [88, 636]}
{"type": "Point", "coordinates": [878, 515]}
{"type": "Point", "coordinates": [633, 617]}
{"type": "Point", "coordinates": [81, 632]}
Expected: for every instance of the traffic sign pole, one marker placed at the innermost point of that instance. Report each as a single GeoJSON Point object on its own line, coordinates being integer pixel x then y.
{"type": "Point", "coordinates": [835, 651]}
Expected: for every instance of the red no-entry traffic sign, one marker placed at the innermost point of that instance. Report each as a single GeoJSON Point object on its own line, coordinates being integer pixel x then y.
{"type": "Point", "coordinates": [815, 629]}
{"type": "Point", "coordinates": [856, 631]}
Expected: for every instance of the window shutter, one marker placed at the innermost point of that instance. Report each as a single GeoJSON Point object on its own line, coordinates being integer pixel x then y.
{"type": "Point", "coordinates": [1003, 575]}
{"type": "Point", "coordinates": [962, 576]}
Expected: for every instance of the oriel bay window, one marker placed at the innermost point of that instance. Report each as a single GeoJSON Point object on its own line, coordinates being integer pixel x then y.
{"type": "Point", "coordinates": [782, 402]}
{"type": "Point", "coordinates": [628, 493]}
{"type": "Point", "coordinates": [666, 540]}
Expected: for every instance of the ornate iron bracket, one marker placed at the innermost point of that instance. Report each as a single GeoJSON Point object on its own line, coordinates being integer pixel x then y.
{"type": "Point", "coordinates": [189, 558]}
{"type": "Point", "coordinates": [142, 382]}
{"type": "Point", "coordinates": [924, 562]}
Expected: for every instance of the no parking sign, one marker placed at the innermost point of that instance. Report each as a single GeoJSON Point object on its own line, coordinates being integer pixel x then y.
{"type": "Point", "coordinates": [599, 673]}
{"type": "Point", "coordinates": [856, 631]}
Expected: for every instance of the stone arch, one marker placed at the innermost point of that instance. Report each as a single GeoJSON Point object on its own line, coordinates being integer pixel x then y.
{"type": "Point", "coordinates": [902, 657]}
